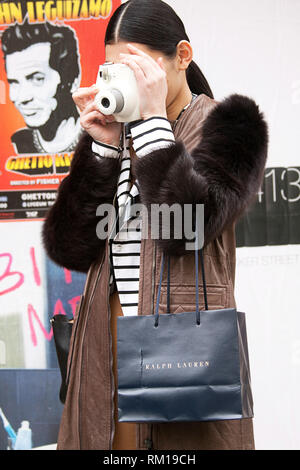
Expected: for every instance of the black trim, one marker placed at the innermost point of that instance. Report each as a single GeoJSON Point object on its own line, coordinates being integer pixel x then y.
{"type": "Point", "coordinates": [147, 120]}
{"type": "Point", "coordinates": [124, 192]}
{"type": "Point", "coordinates": [125, 292]}
{"type": "Point", "coordinates": [154, 142]}
{"type": "Point", "coordinates": [124, 169]}
{"type": "Point", "coordinates": [134, 304]}
{"type": "Point", "coordinates": [127, 254]}
{"type": "Point", "coordinates": [110, 147]}
{"type": "Point", "coordinates": [127, 180]}
{"type": "Point", "coordinates": [127, 267]}
{"type": "Point", "coordinates": [152, 130]}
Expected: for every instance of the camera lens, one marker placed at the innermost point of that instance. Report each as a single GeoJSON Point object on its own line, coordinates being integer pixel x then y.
{"type": "Point", "coordinates": [105, 102]}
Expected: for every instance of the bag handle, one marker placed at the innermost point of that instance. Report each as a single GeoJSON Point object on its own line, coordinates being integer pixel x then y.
{"type": "Point", "coordinates": [196, 282]}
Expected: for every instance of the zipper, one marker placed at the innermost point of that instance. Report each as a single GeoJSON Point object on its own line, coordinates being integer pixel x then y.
{"type": "Point", "coordinates": [110, 352]}
{"type": "Point", "coordinates": [83, 296]}
{"type": "Point", "coordinates": [150, 426]}
{"type": "Point", "coordinates": [153, 278]}
{"type": "Point", "coordinates": [80, 382]}
{"type": "Point", "coordinates": [112, 379]}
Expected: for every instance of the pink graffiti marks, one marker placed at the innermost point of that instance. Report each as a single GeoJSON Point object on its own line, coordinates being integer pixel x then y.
{"type": "Point", "coordinates": [16, 277]}
{"type": "Point", "coordinates": [58, 308]}
{"type": "Point", "coordinates": [68, 276]}
{"type": "Point", "coordinates": [36, 273]}
{"type": "Point", "coordinates": [32, 314]}
{"type": "Point", "coordinates": [11, 280]}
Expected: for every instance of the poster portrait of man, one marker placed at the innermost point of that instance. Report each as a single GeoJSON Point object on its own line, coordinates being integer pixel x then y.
{"type": "Point", "coordinates": [42, 65]}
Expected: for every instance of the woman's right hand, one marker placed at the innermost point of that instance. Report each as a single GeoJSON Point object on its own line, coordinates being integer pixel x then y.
{"type": "Point", "coordinates": [100, 127]}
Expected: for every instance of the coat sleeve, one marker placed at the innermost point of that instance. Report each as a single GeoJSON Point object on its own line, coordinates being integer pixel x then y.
{"type": "Point", "coordinates": [69, 230]}
{"type": "Point", "coordinates": [224, 171]}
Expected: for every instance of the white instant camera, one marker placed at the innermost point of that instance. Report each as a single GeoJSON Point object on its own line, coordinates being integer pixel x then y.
{"type": "Point", "coordinates": [118, 95]}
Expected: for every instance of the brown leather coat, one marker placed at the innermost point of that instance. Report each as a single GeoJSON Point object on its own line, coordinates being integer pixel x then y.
{"type": "Point", "coordinates": [218, 159]}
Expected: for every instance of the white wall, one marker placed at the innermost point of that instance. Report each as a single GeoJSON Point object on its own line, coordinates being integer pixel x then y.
{"type": "Point", "coordinates": [252, 47]}
{"type": "Point", "coordinates": [23, 289]}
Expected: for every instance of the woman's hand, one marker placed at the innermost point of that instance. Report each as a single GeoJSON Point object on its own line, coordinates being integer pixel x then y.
{"type": "Point", "coordinates": [102, 128]}
{"type": "Point", "coordinates": [151, 79]}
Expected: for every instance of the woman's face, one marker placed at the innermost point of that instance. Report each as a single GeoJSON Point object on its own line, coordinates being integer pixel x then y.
{"type": "Point", "coordinates": [174, 78]}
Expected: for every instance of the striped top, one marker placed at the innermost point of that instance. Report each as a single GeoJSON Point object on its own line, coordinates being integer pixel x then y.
{"type": "Point", "coordinates": [147, 135]}
{"type": "Point", "coordinates": [125, 249]}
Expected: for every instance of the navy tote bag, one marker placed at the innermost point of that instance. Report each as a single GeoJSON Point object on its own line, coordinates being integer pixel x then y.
{"type": "Point", "coordinates": [190, 366]}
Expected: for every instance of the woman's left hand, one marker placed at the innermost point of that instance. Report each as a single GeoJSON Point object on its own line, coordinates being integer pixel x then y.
{"type": "Point", "coordinates": [151, 79]}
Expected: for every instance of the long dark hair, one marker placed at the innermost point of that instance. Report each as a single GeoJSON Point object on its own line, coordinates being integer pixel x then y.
{"type": "Point", "coordinates": [155, 24]}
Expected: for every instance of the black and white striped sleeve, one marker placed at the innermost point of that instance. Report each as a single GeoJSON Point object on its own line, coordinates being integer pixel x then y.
{"type": "Point", "coordinates": [100, 150]}
{"type": "Point", "coordinates": [151, 134]}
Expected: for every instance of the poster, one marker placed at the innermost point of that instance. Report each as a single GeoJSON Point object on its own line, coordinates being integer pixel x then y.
{"type": "Point", "coordinates": [48, 50]}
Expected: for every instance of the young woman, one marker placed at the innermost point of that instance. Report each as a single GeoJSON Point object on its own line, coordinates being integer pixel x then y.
{"type": "Point", "coordinates": [186, 149]}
